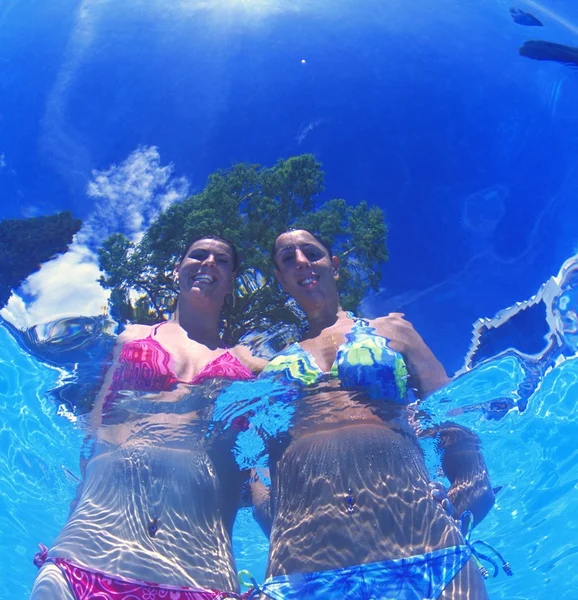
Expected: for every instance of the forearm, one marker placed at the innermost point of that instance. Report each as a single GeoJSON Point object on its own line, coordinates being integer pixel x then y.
{"type": "Point", "coordinates": [261, 497]}
{"type": "Point", "coordinates": [473, 492]}
{"type": "Point", "coordinates": [464, 465]}
{"type": "Point", "coordinates": [263, 515]}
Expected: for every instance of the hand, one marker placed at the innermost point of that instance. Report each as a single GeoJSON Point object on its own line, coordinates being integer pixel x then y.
{"type": "Point", "coordinates": [439, 493]}
{"type": "Point", "coordinates": [400, 332]}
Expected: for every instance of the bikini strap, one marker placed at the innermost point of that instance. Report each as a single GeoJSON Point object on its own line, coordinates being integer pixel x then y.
{"type": "Point", "coordinates": [357, 321]}
{"type": "Point", "coordinates": [155, 328]}
{"type": "Point", "coordinates": [40, 557]}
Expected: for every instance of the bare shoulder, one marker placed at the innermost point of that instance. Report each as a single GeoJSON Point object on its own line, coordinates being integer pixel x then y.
{"type": "Point", "coordinates": [133, 332]}
{"type": "Point", "coordinates": [244, 354]}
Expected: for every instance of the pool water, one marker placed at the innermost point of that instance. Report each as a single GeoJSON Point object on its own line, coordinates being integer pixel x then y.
{"type": "Point", "coordinates": [529, 447]}
{"type": "Point", "coordinates": [39, 456]}
{"type": "Point", "coordinates": [533, 455]}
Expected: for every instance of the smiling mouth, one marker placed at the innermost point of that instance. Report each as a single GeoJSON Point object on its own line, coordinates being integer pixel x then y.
{"type": "Point", "coordinates": [204, 278]}
{"type": "Point", "coordinates": [309, 281]}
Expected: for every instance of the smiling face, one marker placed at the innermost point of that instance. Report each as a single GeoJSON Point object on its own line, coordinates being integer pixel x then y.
{"type": "Point", "coordinates": [207, 272]}
{"type": "Point", "coordinates": [306, 270]}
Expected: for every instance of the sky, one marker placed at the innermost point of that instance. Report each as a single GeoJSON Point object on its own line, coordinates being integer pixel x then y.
{"type": "Point", "coordinates": [126, 197]}
{"type": "Point", "coordinates": [116, 109]}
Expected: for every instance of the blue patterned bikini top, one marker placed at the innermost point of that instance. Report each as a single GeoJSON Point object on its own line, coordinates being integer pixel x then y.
{"type": "Point", "coordinates": [364, 361]}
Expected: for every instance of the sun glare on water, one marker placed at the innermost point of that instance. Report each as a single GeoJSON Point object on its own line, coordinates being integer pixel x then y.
{"type": "Point", "coordinates": [257, 8]}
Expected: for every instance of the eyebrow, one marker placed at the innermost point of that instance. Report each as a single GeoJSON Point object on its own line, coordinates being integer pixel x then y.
{"type": "Point", "coordinates": [295, 246]}
{"type": "Point", "coordinates": [208, 251]}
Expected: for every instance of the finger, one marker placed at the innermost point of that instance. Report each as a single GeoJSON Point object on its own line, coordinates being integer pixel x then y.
{"type": "Point", "coordinates": [448, 507]}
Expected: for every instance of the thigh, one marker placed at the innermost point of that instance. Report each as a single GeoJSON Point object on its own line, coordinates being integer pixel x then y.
{"type": "Point", "coordinates": [468, 584]}
{"type": "Point", "coordinates": [51, 585]}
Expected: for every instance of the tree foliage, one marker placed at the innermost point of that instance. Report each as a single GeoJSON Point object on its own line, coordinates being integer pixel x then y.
{"type": "Point", "coordinates": [250, 205]}
{"type": "Point", "coordinates": [26, 243]}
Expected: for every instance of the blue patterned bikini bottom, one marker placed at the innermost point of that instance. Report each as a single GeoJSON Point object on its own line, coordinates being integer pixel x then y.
{"type": "Point", "coordinates": [421, 577]}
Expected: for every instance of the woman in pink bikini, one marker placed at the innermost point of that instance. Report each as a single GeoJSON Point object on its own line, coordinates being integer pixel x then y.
{"type": "Point", "coordinates": [154, 514]}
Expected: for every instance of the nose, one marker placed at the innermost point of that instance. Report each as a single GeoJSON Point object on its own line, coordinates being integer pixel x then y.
{"type": "Point", "coordinates": [210, 259]}
{"type": "Point", "coordinates": [300, 259]}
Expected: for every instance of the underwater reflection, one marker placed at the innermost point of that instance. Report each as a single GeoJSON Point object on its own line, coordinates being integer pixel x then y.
{"type": "Point", "coordinates": [135, 503]}
{"type": "Point", "coordinates": [80, 347]}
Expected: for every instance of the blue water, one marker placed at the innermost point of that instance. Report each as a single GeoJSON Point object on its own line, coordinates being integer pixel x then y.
{"type": "Point", "coordinates": [36, 446]}
{"type": "Point", "coordinates": [531, 453]}
{"type": "Point", "coordinates": [534, 456]}
{"type": "Point", "coordinates": [425, 109]}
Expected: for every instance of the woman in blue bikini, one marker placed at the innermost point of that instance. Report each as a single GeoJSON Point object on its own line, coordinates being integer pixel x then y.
{"type": "Point", "coordinates": [352, 510]}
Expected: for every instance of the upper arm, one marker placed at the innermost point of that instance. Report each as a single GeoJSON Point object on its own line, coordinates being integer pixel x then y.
{"type": "Point", "coordinates": [426, 373]}
{"type": "Point", "coordinates": [244, 354]}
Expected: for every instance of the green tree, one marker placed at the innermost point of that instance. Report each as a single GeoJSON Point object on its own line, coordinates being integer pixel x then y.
{"type": "Point", "coordinates": [250, 205]}
{"type": "Point", "coordinates": [26, 243]}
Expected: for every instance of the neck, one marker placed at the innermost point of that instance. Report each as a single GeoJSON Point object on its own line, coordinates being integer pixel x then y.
{"type": "Point", "coordinates": [200, 326]}
{"type": "Point", "coordinates": [323, 317]}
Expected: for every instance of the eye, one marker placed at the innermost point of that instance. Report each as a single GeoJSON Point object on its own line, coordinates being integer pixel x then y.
{"type": "Point", "coordinates": [313, 255]}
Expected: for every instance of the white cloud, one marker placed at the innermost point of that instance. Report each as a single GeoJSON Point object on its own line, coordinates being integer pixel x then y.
{"type": "Point", "coordinates": [61, 143]}
{"type": "Point", "coordinates": [128, 197]}
{"type": "Point", "coordinates": [2, 160]}
{"type": "Point", "coordinates": [65, 286]}
{"type": "Point", "coordinates": [306, 127]}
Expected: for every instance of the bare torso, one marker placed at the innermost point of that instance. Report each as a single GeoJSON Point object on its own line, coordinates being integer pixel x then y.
{"type": "Point", "coordinates": [350, 484]}
{"type": "Point", "coordinates": [351, 488]}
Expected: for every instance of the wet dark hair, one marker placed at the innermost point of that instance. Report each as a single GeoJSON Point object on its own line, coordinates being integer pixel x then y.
{"type": "Point", "coordinates": [232, 247]}
{"type": "Point", "coordinates": [291, 229]}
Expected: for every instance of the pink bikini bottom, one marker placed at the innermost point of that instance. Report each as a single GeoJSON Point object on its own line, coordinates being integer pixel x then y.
{"type": "Point", "coordinates": [87, 584]}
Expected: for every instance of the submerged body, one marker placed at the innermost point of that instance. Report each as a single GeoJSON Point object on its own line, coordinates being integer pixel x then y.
{"type": "Point", "coordinates": [351, 493]}
{"type": "Point", "coordinates": [352, 514]}
{"type": "Point", "coordinates": [160, 493]}
{"type": "Point", "coordinates": [155, 510]}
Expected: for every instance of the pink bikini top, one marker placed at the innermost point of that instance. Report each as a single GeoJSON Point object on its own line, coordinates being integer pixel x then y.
{"type": "Point", "coordinates": [144, 365]}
